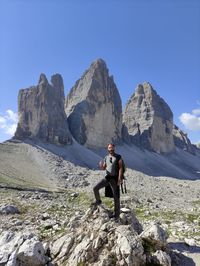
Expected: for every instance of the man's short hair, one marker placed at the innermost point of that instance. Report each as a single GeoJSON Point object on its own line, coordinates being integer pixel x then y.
{"type": "Point", "coordinates": [112, 144]}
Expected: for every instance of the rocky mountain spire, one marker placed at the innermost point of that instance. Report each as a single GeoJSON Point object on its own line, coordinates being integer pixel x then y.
{"type": "Point", "coordinates": [41, 112]}
{"type": "Point", "coordinates": [149, 120]}
{"type": "Point", "coordinates": [181, 140]}
{"type": "Point", "coordinates": [94, 107]}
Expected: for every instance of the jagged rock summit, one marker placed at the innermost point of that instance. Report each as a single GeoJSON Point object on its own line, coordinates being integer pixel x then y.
{"type": "Point", "coordinates": [149, 120]}
{"type": "Point", "coordinates": [41, 112]}
{"type": "Point", "coordinates": [92, 114]}
{"type": "Point", "coordinates": [94, 108]}
{"type": "Point", "coordinates": [182, 141]}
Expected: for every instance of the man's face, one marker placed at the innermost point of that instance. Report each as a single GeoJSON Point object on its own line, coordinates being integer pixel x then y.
{"type": "Point", "coordinates": [111, 149]}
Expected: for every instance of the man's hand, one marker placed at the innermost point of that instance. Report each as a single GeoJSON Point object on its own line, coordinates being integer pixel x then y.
{"type": "Point", "coordinates": [120, 177]}
{"type": "Point", "coordinates": [102, 165]}
{"type": "Point", "coordinates": [120, 181]}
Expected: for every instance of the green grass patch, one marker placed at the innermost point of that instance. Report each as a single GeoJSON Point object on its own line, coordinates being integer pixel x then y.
{"type": "Point", "coordinates": [196, 202]}
{"type": "Point", "coordinates": [190, 217]}
{"type": "Point", "coordinates": [81, 264]}
{"type": "Point", "coordinates": [140, 213]}
{"type": "Point", "coordinates": [17, 182]}
{"type": "Point", "coordinates": [166, 216]}
{"type": "Point", "coordinates": [109, 202]}
{"type": "Point", "coordinates": [82, 200]}
{"type": "Point", "coordinates": [9, 181]}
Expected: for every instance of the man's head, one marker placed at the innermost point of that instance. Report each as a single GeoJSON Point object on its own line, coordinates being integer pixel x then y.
{"type": "Point", "coordinates": [111, 148]}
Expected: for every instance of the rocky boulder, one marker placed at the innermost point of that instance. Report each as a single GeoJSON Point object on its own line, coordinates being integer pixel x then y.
{"type": "Point", "coordinates": [9, 209]}
{"type": "Point", "coordinates": [161, 258]}
{"type": "Point", "coordinates": [153, 232]}
{"type": "Point", "coordinates": [148, 120]}
{"type": "Point", "coordinates": [181, 140]}
{"type": "Point", "coordinates": [41, 112]}
{"type": "Point", "coordinates": [21, 249]}
{"type": "Point", "coordinates": [94, 108]}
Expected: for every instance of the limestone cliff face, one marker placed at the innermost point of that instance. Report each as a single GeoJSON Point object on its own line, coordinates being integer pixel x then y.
{"type": "Point", "coordinates": [94, 108]}
{"type": "Point", "coordinates": [149, 120]}
{"type": "Point", "coordinates": [92, 114]}
{"type": "Point", "coordinates": [41, 112]}
{"type": "Point", "coordinates": [181, 140]}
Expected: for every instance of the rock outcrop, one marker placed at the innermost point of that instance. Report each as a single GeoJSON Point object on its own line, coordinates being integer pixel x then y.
{"type": "Point", "coordinates": [95, 239]}
{"type": "Point", "coordinates": [181, 140]}
{"type": "Point", "coordinates": [91, 239]}
{"type": "Point", "coordinates": [41, 112]}
{"type": "Point", "coordinates": [149, 120]}
{"type": "Point", "coordinates": [94, 108]}
{"type": "Point", "coordinates": [21, 249]}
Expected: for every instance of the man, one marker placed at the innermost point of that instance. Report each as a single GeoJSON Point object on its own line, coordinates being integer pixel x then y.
{"type": "Point", "coordinates": [114, 177]}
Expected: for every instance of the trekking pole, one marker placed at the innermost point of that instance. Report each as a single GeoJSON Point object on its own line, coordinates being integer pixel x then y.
{"type": "Point", "coordinates": [122, 189]}
{"type": "Point", "coordinates": [125, 186]}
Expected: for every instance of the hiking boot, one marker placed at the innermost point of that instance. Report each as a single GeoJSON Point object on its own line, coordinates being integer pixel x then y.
{"type": "Point", "coordinates": [111, 216]}
{"type": "Point", "coordinates": [114, 218]}
{"type": "Point", "coordinates": [117, 219]}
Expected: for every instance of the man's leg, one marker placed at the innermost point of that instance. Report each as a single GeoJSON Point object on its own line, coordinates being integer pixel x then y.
{"type": "Point", "coordinates": [102, 183]}
{"type": "Point", "coordinates": [113, 184]}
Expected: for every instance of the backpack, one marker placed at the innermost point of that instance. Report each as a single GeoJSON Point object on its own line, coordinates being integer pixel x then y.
{"type": "Point", "coordinates": [123, 164]}
{"type": "Point", "coordinates": [123, 186]}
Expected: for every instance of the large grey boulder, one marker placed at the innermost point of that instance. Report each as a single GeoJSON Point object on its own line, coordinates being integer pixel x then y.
{"type": "Point", "coordinates": [94, 108]}
{"type": "Point", "coordinates": [32, 252]}
{"type": "Point", "coordinates": [9, 209]}
{"type": "Point", "coordinates": [148, 120]}
{"type": "Point", "coordinates": [155, 233]}
{"type": "Point", "coordinates": [21, 249]}
{"type": "Point", "coordinates": [41, 112]}
{"type": "Point", "coordinates": [181, 140]}
{"type": "Point", "coordinates": [162, 258]}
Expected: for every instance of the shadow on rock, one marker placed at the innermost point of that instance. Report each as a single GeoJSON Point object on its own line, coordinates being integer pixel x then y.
{"type": "Point", "coordinates": [180, 259]}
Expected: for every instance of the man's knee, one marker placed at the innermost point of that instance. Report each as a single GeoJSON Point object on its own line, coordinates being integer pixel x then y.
{"type": "Point", "coordinates": [95, 188]}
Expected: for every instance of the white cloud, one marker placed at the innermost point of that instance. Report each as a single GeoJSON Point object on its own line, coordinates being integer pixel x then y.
{"type": "Point", "coordinates": [2, 120]}
{"type": "Point", "coordinates": [8, 122]}
{"type": "Point", "coordinates": [191, 120]}
{"type": "Point", "coordinates": [196, 111]}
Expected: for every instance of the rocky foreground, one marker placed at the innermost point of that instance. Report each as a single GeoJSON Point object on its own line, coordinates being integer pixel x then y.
{"type": "Point", "coordinates": [38, 228]}
{"type": "Point", "coordinates": [45, 198]}
{"type": "Point", "coordinates": [88, 239]}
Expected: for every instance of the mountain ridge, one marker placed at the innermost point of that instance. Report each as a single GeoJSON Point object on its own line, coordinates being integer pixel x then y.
{"type": "Point", "coordinates": [182, 161]}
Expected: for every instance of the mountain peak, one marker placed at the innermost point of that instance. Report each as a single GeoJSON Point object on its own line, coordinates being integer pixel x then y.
{"type": "Point", "coordinates": [99, 62]}
{"type": "Point", "coordinates": [42, 79]}
{"type": "Point", "coordinates": [149, 120]}
{"type": "Point", "coordinates": [93, 98]}
{"type": "Point", "coordinates": [42, 114]}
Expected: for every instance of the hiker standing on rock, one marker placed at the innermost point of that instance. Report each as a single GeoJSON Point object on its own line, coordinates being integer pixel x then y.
{"type": "Point", "coordinates": [114, 178]}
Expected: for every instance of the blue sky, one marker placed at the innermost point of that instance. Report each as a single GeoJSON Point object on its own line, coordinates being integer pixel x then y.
{"type": "Point", "coordinates": [141, 40]}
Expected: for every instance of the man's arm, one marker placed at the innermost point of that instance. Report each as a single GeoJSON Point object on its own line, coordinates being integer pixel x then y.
{"type": "Point", "coordinates": [102, 165]}
{"type": "Point", "coordinates": [120, 174]}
